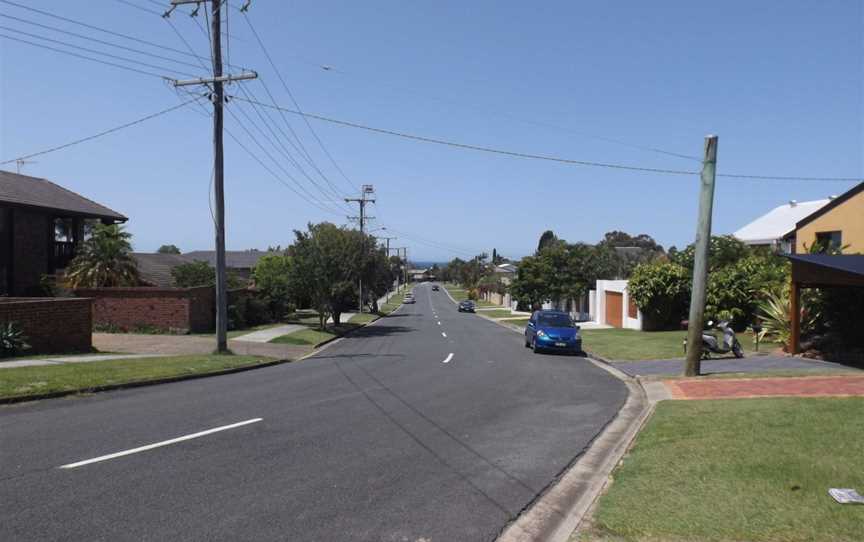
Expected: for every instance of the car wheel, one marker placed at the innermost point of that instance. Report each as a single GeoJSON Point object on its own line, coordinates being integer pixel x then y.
{"type": "Point", "coordinates": [527, 343]}
{"type": "Point", "coordinates": [534, 347]}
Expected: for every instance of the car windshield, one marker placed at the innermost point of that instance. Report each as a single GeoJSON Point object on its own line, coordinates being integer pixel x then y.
{"type": "Point", "coordinates": [554, 320]}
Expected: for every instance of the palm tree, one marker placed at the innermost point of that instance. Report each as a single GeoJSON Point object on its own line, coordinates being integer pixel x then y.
{"type": "Point", "coordinates": [103, 260]}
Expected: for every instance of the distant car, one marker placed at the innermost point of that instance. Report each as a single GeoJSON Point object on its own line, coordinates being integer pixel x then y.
{"type": "Point", "coordinates": [435, 288]}
{"type": "Point", "coordinates": [466, 306]}
{"type": "Point", "coordinates": [553, 331]}
{"type": "Point", "coordinates": [408, 299]}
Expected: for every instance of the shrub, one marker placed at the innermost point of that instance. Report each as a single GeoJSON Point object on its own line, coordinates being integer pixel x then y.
{"type": "Point", "coordinates": [735, 291]}
{"type": "Point", "coordinates": [257, 311]}
{"type": "Point", "coordinates": [272, 277]}
{"type": "Point", "coordinates": [775, 312]}
{"type": "Point", "coordinates": [197, 273]}
{"type": "Point", "coordinates": [12, 340]}
{"type": "Point", "coordinates": [661, 291]}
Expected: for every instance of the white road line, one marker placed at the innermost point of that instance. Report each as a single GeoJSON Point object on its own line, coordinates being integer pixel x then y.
{"type": "Point", "coordinates": [449, 357]}
{"type": "Point", "coordinates": [439, 323]}
{"type": "Point", "coordinates": [158, 444]}
{"type": "Point", "coordinates": [443, 334]}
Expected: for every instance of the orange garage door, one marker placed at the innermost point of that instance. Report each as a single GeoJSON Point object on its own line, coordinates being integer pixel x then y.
{"type": "Point", "coordinates": [614, 308]}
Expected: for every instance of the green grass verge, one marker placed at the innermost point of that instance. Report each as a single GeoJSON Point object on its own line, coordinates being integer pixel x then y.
{"type": "Point", "coordinates": [28, 381]}
{"type": "Point", "coordinates": [630, 345]}
{"type": "Point", "coordinates": [363, 318]}
{"type": "Point", "coordinates": [741, 469]}
{"type": "Point", "coordinates": [522, 322]}
{"type": "Point", "coordinates": [305, 337]}
{"type": "Point", "coordinates": [496, 313]}
{"type": "Point", "coordinates": [456, 292]}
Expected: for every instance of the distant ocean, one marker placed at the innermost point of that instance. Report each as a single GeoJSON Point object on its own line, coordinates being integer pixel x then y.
{"type": "Point", "coordinates": [427, 264]}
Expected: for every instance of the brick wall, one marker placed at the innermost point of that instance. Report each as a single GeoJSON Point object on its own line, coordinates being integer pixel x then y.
{"type": "Point", "coordinates": [30, 231]}
{"type": "Point", "coordinates": [175, 310]}
{"type": "Point", "coordinates": [172, 310]}
{"type": "Point", "coordinates": [52, 325]}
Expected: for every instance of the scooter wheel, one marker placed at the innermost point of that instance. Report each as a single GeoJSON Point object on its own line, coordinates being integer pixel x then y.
{"type": "Point", "coordinates": [736, 349]}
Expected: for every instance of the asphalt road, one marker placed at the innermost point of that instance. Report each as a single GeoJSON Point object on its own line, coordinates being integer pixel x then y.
{"type": "Point", "coordinates": [375, 438]}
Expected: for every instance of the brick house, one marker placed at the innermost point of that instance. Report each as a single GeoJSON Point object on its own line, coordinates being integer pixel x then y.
{"type": "Point", "coordinates": [41, 226]}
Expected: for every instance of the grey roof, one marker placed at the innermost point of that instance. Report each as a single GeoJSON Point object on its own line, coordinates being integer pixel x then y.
{"type": "Point", "coordinates": [17, 189]}
{"type": "Point", "coordinates": [155, 269]}
{"type": "Point", "coordinates": [236, 259]}
{"type": "Point", "coordinates": [850, 263]}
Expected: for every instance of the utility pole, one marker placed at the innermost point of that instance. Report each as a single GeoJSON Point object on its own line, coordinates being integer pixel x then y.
{"type": "Point", "coordinates": [387, 240]}
{"type": "Point", "coordinates": [365, 190]}
{"type": "Point", "coordinates": [402, 265]}
{"type": "Point", "coordinates": [218, 97]}
{"type": "Point", "coordinates": [693, 364]}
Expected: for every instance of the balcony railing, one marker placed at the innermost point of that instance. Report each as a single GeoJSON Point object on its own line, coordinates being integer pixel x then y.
{"type": "Point", "coordinates": [64, 251]}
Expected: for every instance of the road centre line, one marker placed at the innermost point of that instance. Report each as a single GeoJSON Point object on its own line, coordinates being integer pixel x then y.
{"type": "Point", "coordinates": [439, 323]}
{"type": "Point", "coordinates": [443, 334]}
{"type": "Point", "coordinates": [158, 444]}
{"type": "Point", "coordinates": [449, 357]}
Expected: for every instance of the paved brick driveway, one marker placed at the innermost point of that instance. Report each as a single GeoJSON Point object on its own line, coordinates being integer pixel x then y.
{"type": "Point", "coordinates": [811, 386]}
{"type": "Point", "coordinates": [189, 344]}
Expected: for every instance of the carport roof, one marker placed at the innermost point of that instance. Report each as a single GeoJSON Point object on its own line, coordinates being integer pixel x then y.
{"type": "Point", "coordinates": [850, 263]}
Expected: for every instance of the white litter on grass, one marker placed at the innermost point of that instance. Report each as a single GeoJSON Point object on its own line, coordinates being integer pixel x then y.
{"type": "Point", "coordinates": [846, 496]}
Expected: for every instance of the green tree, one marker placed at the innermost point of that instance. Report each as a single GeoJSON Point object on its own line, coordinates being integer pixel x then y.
{"type": "Point", "coordinates": [548, 238]}
{"type": "Point", "coordinates": [324, 268]}
{"type": "Point", "coordinates": [104, 260]}
{"type": "Point", "coordinates": [272, 277]}
{"type": "Point", "coordinates": [722, 251]}
{"type": "Point", "coordinates": [168, 249]}
{"type": "Point", "coordinates": [192, 274]}
{"type": "Point", "coordinates": [661, 290]}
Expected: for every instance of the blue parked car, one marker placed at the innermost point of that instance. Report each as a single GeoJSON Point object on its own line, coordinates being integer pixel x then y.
{"type": "Point", "coordinates": [553, 331]}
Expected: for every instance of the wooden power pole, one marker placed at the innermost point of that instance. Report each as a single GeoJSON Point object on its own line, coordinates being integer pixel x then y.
{"type": "Point", "coordinates": [700, 261]}
{"type": "Point", "coordinates": [366, 190]}
{"type": "Point", "coordinates": [218, 98]}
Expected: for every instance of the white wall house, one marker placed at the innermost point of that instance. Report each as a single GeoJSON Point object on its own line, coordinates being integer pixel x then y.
{"type": "Point", "coordinates": [776, 228]}
{"type": "Point", "coordinates": [611, 305]}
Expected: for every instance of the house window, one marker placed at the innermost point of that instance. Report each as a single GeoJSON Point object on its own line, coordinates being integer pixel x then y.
{"type": "Point", "coordinates": [829, 241]}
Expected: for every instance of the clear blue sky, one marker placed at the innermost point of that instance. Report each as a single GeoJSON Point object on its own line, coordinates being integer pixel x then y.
{"type": "Point", "coordinates": [779, 81]}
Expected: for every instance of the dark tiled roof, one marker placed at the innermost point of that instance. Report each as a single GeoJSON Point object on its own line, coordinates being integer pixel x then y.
{"type": "Point", "coordinates": [155, 269]}
{"type": "Point", "coordinates": [236, 259]}
{"type": "Point", "coordinates": [850, 263]}
{"type": "Point", "coordinates": [19, 189]}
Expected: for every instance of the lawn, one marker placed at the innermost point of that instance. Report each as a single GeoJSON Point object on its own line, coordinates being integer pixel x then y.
{"type": "Point", "coordinates": [741, 469]}
{"type": "Point", "coordinates": [26, 381]}
{"type": "Point", "coordinates": [306, 336]}
{"type": "Point", "coordinates": [456, 292]}
{"type": "Point", "coordinates": [496, 313]}
{"type": "Point", "coordinates": [629, 344]}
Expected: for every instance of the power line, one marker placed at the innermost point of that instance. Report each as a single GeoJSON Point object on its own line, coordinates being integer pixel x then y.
{"type": "Point", "coordinates": [103, 42]}
{"type": "Point", "coordinates": [301, 150]}
{"type": "Point", "coordinates": [96, 52]}
{"type": "Point", "coordinates": [103, 133]}
{"type": "Point", "coordinates": [100, 29]}
{"type": "Point", "coordinates": [85, 57]}
{"type": "Point", "coordinates": [308, 196]}
{"type": "Point", "coordinates": [284, 151]}
{"type": "Point", "coordinates": [294, 101]}
{"type": "Point", "coordinates": [429, 243]}
{"type": "Point", "coordinates": [553, 158]}
{"type": "Point", "coordinates": [477, 147]}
